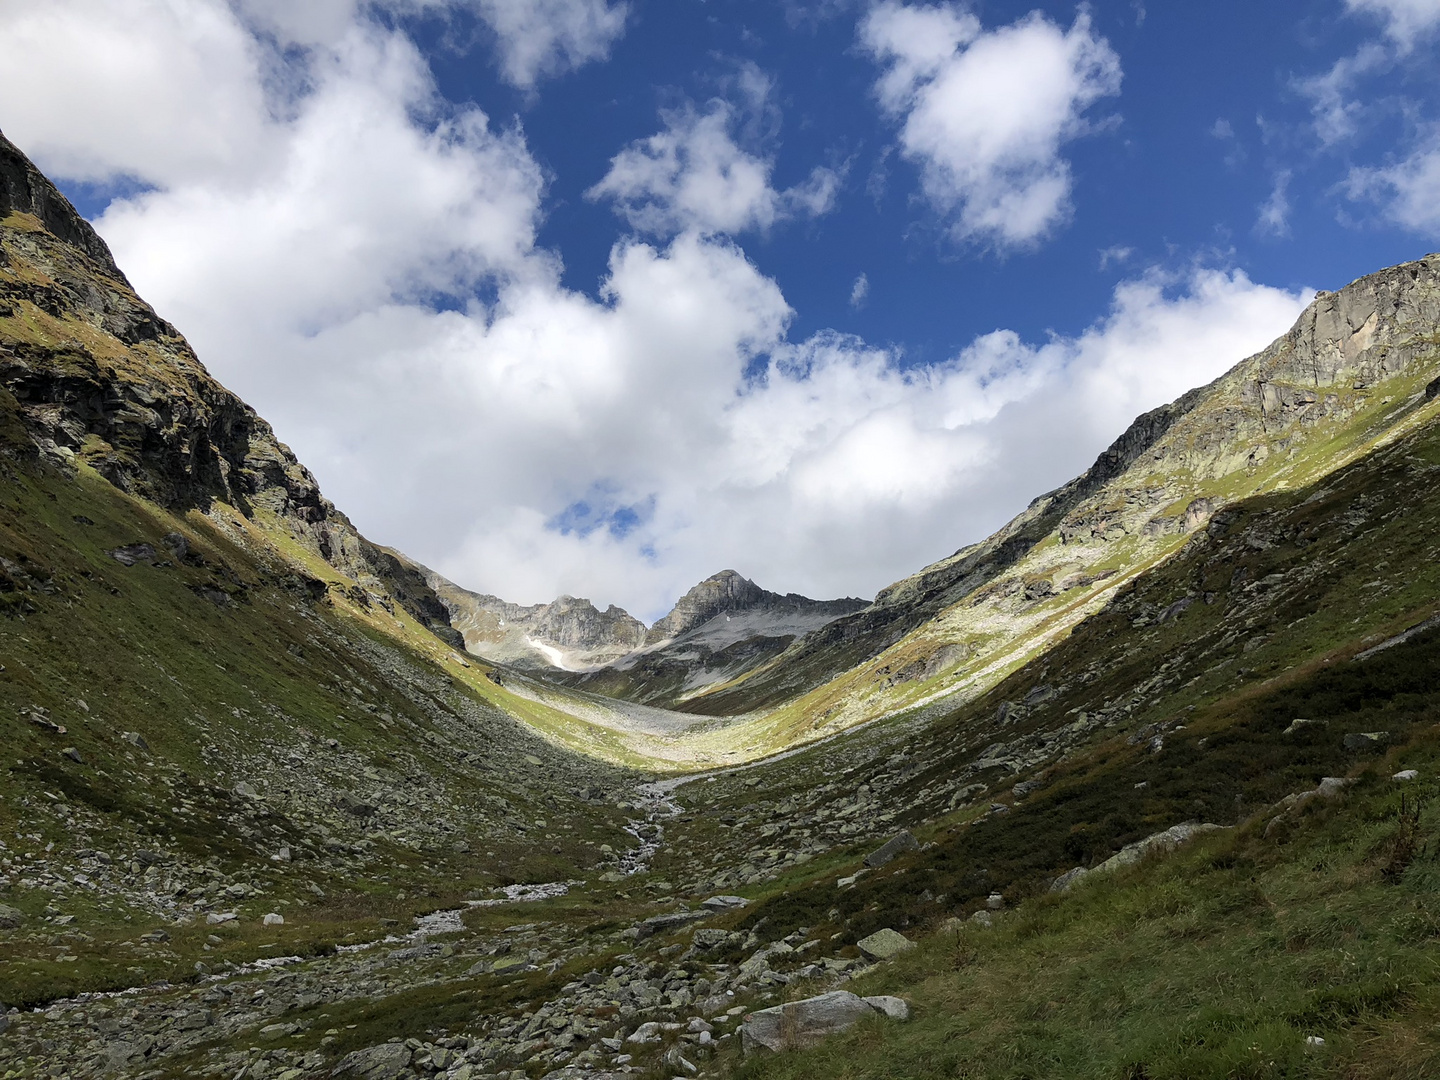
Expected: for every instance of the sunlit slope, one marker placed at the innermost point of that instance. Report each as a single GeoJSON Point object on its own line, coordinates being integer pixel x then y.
{"type": "Point", "coordinates": [1355, 372]}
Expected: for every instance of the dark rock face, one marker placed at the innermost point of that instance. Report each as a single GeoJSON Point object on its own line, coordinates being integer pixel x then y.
{"type": "Point", "coordinates": [725, 591]}
{"type": "Point", "coordinates": [117, 388]}
{"type": "Point", "coordinates": [25, 190]}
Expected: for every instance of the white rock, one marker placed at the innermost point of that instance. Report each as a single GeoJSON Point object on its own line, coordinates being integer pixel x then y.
{"type": "Point", "coordinates": [1405, 774]}
{"type": "Point", "coordinates": [274, 919]}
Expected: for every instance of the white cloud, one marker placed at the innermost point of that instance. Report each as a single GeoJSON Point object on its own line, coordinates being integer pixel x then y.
{"type": "Point", "coordinates": [1336, 111]}
{"type": "Point", "coordinates": [694, 175]}
{"type": "Point", "coordinates": [1274, 217]}
{"type": "Point", "coordinates": [549, 37]}
{"type": "Point", "coordinates": [860, 291]}
{"type": "Point", "coordinates": [461, 436]}
{"type": "Point", "coordinates": [986, 113]}
{"type": "Point", "coordinates": [1405, 20]}
{"type": "Point", "coordinates": [1408, 191]}
{"type": "Point", "coordinates": [153, 90]}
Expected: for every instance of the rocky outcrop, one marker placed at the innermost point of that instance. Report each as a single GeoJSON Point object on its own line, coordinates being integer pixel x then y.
{"type": "Point", "coordinates": [25, 190]}
{"type": "Point", "coordinates": [89, 374]}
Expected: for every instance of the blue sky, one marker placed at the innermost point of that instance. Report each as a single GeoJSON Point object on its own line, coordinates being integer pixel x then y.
{"type": "Point", "coordinates": [595, 297]}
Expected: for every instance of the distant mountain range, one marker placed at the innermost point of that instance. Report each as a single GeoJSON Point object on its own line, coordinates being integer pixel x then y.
{"type": "Point", "coordinates": [720, 629]}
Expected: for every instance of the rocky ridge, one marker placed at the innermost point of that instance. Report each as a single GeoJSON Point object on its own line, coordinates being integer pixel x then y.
{"type": "Point", "coordinates": [1357, 369]}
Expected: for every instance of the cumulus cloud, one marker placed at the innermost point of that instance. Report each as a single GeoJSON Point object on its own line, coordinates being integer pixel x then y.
{"type": "Point", "coordinates": [985, 114]}
{"type": "Point", "coordinates": [1274, 216]}
{"type": "Point", "coordinates": [526, 438]}
{"type": "Point", "coordinates": [694, 175]}
{"type": "Point", "coordinates": [548, 37]}
{"type": "Point", "coordinates": [1404, 20]}
{"type": "Point", "coordinates": [1336, 110]}
{"type": "Point", "coordinates": [1407, 191]}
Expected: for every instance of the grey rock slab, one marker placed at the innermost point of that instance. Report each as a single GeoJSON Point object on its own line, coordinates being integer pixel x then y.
{"type": "Point", "coordinates": [660, 924]}
{"type": "Point", "coordinates": [1405, 774]}
{"type": "Point", "coordinates": [1166, 840]}
{"type": "Point", "coordinates": [884, 944]}
{"type": "Point", "coordinates": [1065, 881]}
{"type": "Point", "coordinates": [802, 1023]}
{"type": "Point", "coordinates": [901, 842]}
{"type": "Point", "coordinates": [10, 918]}
{"type": "Point", "coordinates": [389, 1061]}
{"type": "Point", "coordinates": [723, 903]}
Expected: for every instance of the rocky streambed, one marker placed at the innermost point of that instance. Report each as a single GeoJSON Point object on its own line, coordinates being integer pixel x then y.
{"type": "Point", "coordinates": [551, 998]}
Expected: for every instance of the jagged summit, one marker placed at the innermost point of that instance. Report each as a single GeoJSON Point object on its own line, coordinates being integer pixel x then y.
{"type": "Point", "coordinates": [572, 635]}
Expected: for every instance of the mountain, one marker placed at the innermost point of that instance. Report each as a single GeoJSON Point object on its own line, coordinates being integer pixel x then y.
{"type": "Point", "coordinates": [1148, 779]}
{"type": "Point", "coordinates": [567, 633]}
{"type": "Point", "coordinates": [721, 628]}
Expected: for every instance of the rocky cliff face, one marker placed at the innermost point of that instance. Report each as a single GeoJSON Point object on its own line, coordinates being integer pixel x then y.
{"type": "Point", "coordinates": [91, 375]}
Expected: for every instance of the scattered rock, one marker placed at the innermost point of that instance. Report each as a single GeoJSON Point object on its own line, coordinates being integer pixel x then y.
{"type": "Point", "coordinates": [901, 842]}
{"type": "Point", "coordinates": [1067, 879]}
{"type": "Point", "coordinates": [893, 1007]}
{"type": "Point", "coordinates": [273, 919]}
{"type": "Point", "coordinates": [1167, 840]}
{"type": "Point", "coordinates": [130, 554]}
{"type": "Point", "coordinates": [723, 903]}
{"type": "Point", "coordinates": [246, 790]}
{"type": "Point", "coordinates": [73, 755]}
{"type": "Point", "coordinates": [1405, 774]}
{"type": "Point", "coordinates": [135, 739]}
{"type": "Point", "coordinates": [1300, 724]}
{"type": "Point", "coordinates": [10, 918]}
{"type": "Point", "coordinates": [804, 1023]}
{"type": "Point", "coordinates": [884, 944]}
{"type": "Point", "coordinates": [660, 924]}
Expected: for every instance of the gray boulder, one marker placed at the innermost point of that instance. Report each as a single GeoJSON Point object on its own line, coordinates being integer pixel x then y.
{"type": "Point", "coordinates": [723, 903]}
{"type": "Point", "coordinates": [893, 1007]}
{"type": "Point", "coordinates": [10, 918]}
{"type": "Point", "coordinates": [883, 944]}
{"type": "Point", "coordinates": [901, 842]}
{"type": "Point", "coordinates": [389, 1061]}
{"type": "Point", "coordinates": [804, 1023]}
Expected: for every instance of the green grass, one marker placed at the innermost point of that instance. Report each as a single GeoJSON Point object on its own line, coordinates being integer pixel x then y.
{"type": "Point", "coordinates": [1216, 962]}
